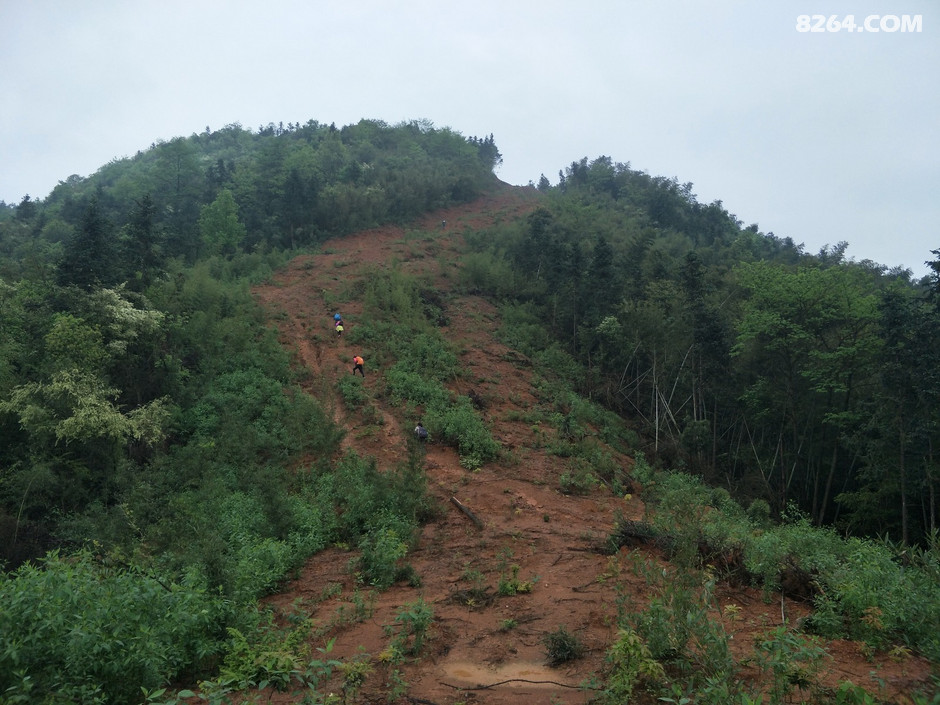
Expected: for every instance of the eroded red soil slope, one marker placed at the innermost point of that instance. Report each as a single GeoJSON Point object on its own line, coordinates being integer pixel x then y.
{"type": "Point", "coordinates": [481, 639]}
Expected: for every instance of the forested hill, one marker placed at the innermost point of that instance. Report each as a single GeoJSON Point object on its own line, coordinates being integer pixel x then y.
{"type": "Point", "coordinates": [803, 380]}
{"type": "Point", "coordinates": [292, 187]}
{"type": "Point", "coordinates": [785, 376]}
{"type": "Point", "coordinates": [157, 439]}
{"type": "Point", "coordinates": [124, 304]}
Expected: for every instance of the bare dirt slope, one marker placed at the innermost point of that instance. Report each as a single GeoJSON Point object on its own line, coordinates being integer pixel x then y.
{"type": "Point", "coordinates": [482, 648]}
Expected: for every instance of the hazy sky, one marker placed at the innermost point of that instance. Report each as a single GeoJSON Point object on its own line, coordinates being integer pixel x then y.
{"type": "Point", "coordinates": [820, 136]}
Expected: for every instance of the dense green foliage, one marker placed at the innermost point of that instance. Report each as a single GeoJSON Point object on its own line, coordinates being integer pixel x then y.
{"type": "Point", "coordinates": [678, 643]}
{"type": "Point", "coordinates": [154, 439]}
{"type": "Point", "coordinates": [859, 589]}
{"type": "Point", "coordinates": [781, 375]}
{"type": "Point", "coordinates": [77, 631]}
{"type": "Point", "coordinates": [148, 414]}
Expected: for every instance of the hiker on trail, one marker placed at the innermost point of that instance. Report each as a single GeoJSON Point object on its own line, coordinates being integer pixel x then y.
{"type": "Point", "coordinates": [421, 433]}
{"type": "Point", "coordinates": [337, 317]}
{"type": "Point", "coordinates": [443, 224]}
{"type": "Point", "coordinates": [357, 365]}
{"type": "Point", "coordinates": [339, 328]}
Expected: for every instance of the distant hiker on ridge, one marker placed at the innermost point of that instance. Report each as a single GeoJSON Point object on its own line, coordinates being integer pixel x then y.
{"type": "Point", "coordinates": [357, 365]}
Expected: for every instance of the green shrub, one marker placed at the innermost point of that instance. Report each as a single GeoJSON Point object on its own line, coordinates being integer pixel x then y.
{"type": "Point", "coordinates": [429, 355]}
{"type": "Point", "coordinates": [558, 363]}
{"type": "Point", "coordinates": [353, 393]}
{"type": "Point", "coordinates": [460, 425]}
{"type": "Point", "coordinates": [260, 566]}
{"type": "Point", "coordinates": [483, 272]}
{"type": "Point", "coordinates": [355, 672]}
{"type": "Point", "coordinates": [850, 694]}
{"type": "Point", "coordinates": [561, 646]}
{"type": "Point", "coordinates": [510, 584]}
{"type": "Point", "coordinates": [678, 625]}
{"type": "Point", "coordinates": [266, 655]}
{"type": "Point", "coordinates": [878, 601]}
{"type": "Point", "coordinates": [677, 629]}
{"type": "Point", "coordinates": [382, 550]}
{"type": "Point", "coordinates": [409, 386]}
{"type": "Point", "coordinates": [392, 295]}
{"type": "Point", "coordinates": [247, 542]}
{"type": "Point", "coordinates": [642, 471]}
{"type": "Point", "coordinates": [310, 526]}
{"type": "Point", "coordinates": [522, 330]}
{"type": "Point", "coordinates": [631, 664]}
{"type": "Point", "coordinates": [413, 622]}
{"type": "Point", "coordinates": [360, 494]}
{"type": "Point", "coordinates": [578, 479]}
{"type": "Point", "coordinates": [789, 662]}
{"type": "Point", "coordinates": [75, 630]}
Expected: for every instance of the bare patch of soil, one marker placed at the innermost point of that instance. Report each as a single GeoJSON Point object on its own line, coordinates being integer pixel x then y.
{"type": "Point", "coordinates": [483, 647]}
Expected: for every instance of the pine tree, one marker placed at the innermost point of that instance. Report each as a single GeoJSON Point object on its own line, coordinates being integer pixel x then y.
{"type": "Point", "coordinates": [88, 261]}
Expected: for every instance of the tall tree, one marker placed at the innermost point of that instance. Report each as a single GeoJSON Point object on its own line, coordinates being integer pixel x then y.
{"type": "Point", "coordinates": [26, 210]}
{"type": "Point", "coordinates": [896, 442]}
{"type": "Point", "coordinates": [178, 184]}
{"type": "Point", "coordinates": [295, 209]}
{"type": "Point", "coordinates": [219, 226]}
{"type": "Point", "coordinates": [710, 355]}
{"type": "Point", "coordinates": [807, 342]}
{"type": "Point", "coordinates": [602, 278]}
{"type": "Point", "coordinates": [143, 243]}
{"type": "Point", "coordinates": [89, 255]}
{"type": "Point", "coordinates": [933, 279]}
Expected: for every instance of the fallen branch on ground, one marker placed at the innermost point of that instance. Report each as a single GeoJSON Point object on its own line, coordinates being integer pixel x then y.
{"type": "Point", "coordinates": [473, 517]}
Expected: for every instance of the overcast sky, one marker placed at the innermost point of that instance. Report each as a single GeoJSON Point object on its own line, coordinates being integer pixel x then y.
{"type": "Point", "coordinates": [820, 136]}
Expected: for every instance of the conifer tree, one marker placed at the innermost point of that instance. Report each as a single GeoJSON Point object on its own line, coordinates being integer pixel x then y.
{"type": "Point", "coordinates": [88, 260]}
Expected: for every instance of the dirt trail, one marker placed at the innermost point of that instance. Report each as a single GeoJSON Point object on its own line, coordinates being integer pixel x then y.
{"type": "Point", "coordinates": [553, 538]}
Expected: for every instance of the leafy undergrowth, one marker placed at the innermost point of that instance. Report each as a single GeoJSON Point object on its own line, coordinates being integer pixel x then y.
{"type": "Point", "coordinates": [512, 591]}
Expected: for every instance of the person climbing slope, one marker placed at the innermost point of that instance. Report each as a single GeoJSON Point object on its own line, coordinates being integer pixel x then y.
{"type": "Point", "coordinates": [357, 365]}
{"type": "Point", "coordinates": [339, 328]}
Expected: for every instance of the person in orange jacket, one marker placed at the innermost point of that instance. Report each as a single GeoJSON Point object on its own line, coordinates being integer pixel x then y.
{"type": "Point", "coordinates": [357, 365]}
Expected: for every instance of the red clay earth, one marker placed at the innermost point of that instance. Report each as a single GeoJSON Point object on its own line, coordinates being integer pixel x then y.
{"type": "Point", "coordinates": [488, 648]}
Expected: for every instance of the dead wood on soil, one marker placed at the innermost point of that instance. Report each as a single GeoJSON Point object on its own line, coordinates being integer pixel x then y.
{"type": "Point", "coordinates": [466, 510]}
